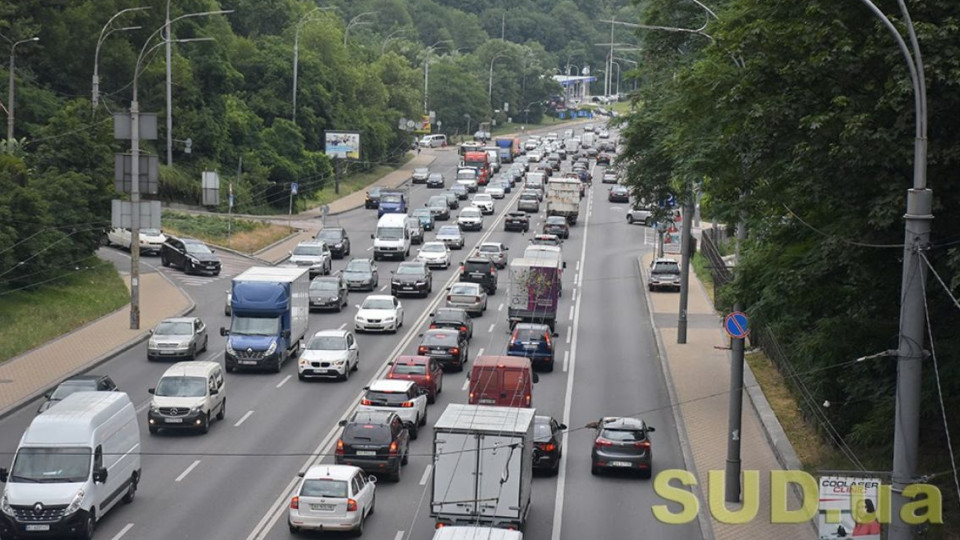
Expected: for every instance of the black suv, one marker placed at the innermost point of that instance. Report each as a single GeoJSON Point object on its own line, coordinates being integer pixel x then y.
{"type": "Point", "coordinates": [480, 270]}
{"type": "Point", "coordinates": [453, 318]}
{"type": "Point", "coordinates": [337, 240]}
{"type": "Point", "coordinates": [445, 345]}
{"type": "Point", "coordinates": [190, 255]}
{"type": "Point", "coordinates": [375, 441]}
{"type": "Point", "coordinates": [412, 278]}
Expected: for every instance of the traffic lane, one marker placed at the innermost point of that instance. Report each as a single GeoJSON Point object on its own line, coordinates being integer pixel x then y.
{"type": "Point", "coordinates": [120, 258]}
{"type": "Point", "coordinates": [618, 355]}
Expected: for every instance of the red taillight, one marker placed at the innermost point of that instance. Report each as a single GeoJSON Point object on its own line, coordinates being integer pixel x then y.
{"type": "Point", "coordinates": [549, 447]}
{"type": "Point", "coordinates": [463, 328]}
{"type": "Point", "coordinates": [432, 326]}
{"type": "Point", "coordinates": [547, 336]}
{"type": "Point", "coordinates": [476, 298]}
{"type": "Point", "coordinates": [366, 401]}
{"type": "Point", "coordinates": [514, 336]}
{"type": "Point", "coordinates": [429, 377]}
{"type": "Point", "coordinates": [340, 447]}
{"type": "Point", "coordinates": [407, 404]}
{"type": "Point", "coordinates": [390, 375]}
{"type": "Point", "coordinates": [393, 447]}
{"type": "Point", "coordinates": [351, 505]}
{"type": "Point", "coordinates": [295, 503]}
{"type": "Point", "coordinates": [602, 442]}
{"type": "Point", "coordinates": [471, 396]}
{"type": "Point", "coordinates": [645, 445]}
{"type": "Point", "coordinates": [529, 399]}
{"type": "Point", "coordinates": [422, 350]}
{"type": "Point", "coordinates": [493, 271]}
{"type": "Point", "coordinates": [455, 350]}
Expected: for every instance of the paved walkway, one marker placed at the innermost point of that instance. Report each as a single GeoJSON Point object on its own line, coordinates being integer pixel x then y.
{"type": "Point", "coordinates": [700, 373]}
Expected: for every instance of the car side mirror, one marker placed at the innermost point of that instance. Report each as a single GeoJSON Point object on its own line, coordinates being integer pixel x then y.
{"type": "Point", "coordinates": [342, 423]}
{"type": "Point", "coordinates": [536, 378]}
{"type": "Point", "coordinates": [151, 390]}
{"type": "Point", "coordinates": [556, 334]}
{"type": "Point", "coordinates": [285, 334]}
{"type": "Point", "coordinates": [562, 426]}
{"type": "Point", "coordinates": [564, 264]}
{"type": "Point", "coordinates": [372, 479]}
{"type": "Point", "coordinates": [356, 306]}
{"type": "Point", "coordinates": [100, 476]}
{"type": "Point", "coordinates": [3, 474]}
{"type": "Point", "coordinates": [300, 474]}
{"type": "Point", "coordinates": [592, 425]}
{"type": "Point", "coordinates": [651, 429]}
{"type": "Point", "coordinates": [224, 331]}
{"type": "Point", "coordinates": [289, 253]}
{"type": "Point", "coordinates": [214, 391]}
{"type": "Point", "coordinates": [366, 388]}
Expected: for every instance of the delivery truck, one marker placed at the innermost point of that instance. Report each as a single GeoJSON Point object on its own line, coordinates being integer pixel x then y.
{"type": "Point", "coordinates": [270, 309]}
{"type": "Point", "coordinates": [534, 290]}
{"type": "Point", "coordinates": [563, 198]}
{"type": "Point", "coordinates": [483, 466]}
{"type": "Point", "coordinates": [509, 148]}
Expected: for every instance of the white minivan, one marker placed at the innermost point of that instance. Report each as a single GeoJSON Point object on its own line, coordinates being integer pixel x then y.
{"type": "Point", "coordinates": [392, 238]}
{"type": "Point", "coordinates": [433, 141]}
{"type": "Point", "coordinates": [187, 396]}
{"type": "Point", "coordinates": [75, 462]}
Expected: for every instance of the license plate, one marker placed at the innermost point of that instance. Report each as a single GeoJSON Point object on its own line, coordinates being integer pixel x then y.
{"type": "Point", "coordinates": [440, 351]}
{"type": "Point", "coordinates": [476, 275]}
{"type": "Point", "coordinates": [322, 507]}
{"type": "Point", "coordinates": [487, 401]}
{"type": "Point", "coordinates": [620, 464]}
{"type": "Point", "coordinates": [366, 452]}
{"type": "Point", "coordinates": [530, 346]}
{"type": "Point", "coordinates": [173, 420]}
{"type": "Point", "coordinates": [37, 528]}
{"type": "Point", "coordinates": [408, 287]}
{"type": "Point", "coordinates": [248, 362]}
{"type": "Point", "coordinates": [168, 352]}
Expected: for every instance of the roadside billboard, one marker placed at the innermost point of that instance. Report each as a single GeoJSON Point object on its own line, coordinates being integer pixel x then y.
{"type": "Point", "coordinates": [342, 144]}
{"type": "Point", "coordinates": [836, 519]}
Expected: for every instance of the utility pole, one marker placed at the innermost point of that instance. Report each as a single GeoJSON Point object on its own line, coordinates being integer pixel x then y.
{"type": "Point", "coordinates": [169, 45]}
{"type": "Point", "coordinates": [10, 96]}
{"type": "Point", "coordinates": [426, 82]}
{"type": "Point", "coordinates": [685, 269]}
{"type": "Point", "coordinates": [734, 421]}
{"type": "Point", "coordinates": [503, 26]}
{"type": "Point", "coordinates": [606, 79]}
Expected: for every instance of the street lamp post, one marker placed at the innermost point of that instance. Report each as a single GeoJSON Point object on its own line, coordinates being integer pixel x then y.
{"type": "Point", "coordinates": [390, 37]}
{"type": "Point", "coordinates": [490, 81]}
{"type": "Point", "coordinates": [614, 63]}
{"type": "Point", "coordinates": [467, 116]}
{"type": "Point", "coordinates": [104, 33]}
{"type": "Point", "coordinates": [426, 72]}
{"type": "Point", "coordinates": [10, 95]}
{"type": "Point", "coordinates": [356, 22]}
{"type": "Point", "coordinates": [296, 54]}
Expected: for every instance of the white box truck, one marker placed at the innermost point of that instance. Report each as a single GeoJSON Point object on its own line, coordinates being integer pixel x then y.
{"type": "Point", "coordinates": [482, 466]}
{"type": "Point", "coordinates": [563, 198]}
{"type": "Point", "coordinates": [75, 462]}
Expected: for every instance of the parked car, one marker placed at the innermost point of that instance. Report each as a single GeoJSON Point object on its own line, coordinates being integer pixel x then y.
{"type": "Point", "coordinates": [361, 274]}
{"type": "Point", "coordinates": [547, 444]}
{"type": "Point", "coordinates": [434, 255]}
{"type": "Point", "coordinates": [329, 353]}
{"type": "Point", "coordinates": [426, 218]}
{"type": "Point", "coordinates": [331, 498]}
{"type": "Point", "coordinates": [621, 443]}
{"type": "Point", "coordinates": [336, 239]}
{"type": "Point", "coordinates": [619, 193]}
{"type": "Point", "coordinates": [373, 198]}
{"type": "Point", "coordinates": [469, 297]}
{"type": "Point", "coordinates": [424, 371]}
{"type": "Point", "coordinates": [453, 318]}
{"type": "Point", "coordinates": [470, 219]}
{"type": "Point", "coordinates": [412, 278]}
{"type": "Point", "coordinates": [77, 383]}
{"type": "Point", "coordinates": [664, 274]}
{"type": "Point", "coordinates": [405, 398]}
{"type": "Point", "coordinates": [379, 313]}
{"type": "Point", "coordinates": [495, 251]}
{"type": "Point", "coordinates": [446, 346]}
{"type": "Point", "coordinates": [557, 225]}
{"type": "Point", "coordinates": [420, 175]}
{"type": "Point", "coordinates": [533, 341]}
{"type": "Point", "coordinates": [313, 255]}
{"type": "Point", "coordinates": [190, 255]}
{"type": "Point", "coordinates": [436, 180]}
{"type": "Point", "coordinates": [451, 236]}
{"type": "Point", "coordinates": [150, 239]}
{"type": "Point", "coordinates": [329, 292]}
{"type": "Point", "coordinates": [177, 338]}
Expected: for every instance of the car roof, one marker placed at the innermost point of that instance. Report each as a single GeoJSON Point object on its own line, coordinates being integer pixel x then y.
{"type": "Point", "coordinates": [433, 243]}
{"type": "Point", "coordinates": [494, 244]}
{"type": "Point", "coordinates": [379, 297]}
{"type": "Point", "coordinates": [324, 279]}
{"type": "Point", "coordinates": [180, 319]}
{"type": "Point", "coordinates": [445, 332]}
{"type": "Point", "coordinates": [336, 332]}
{"type": "Point", "coordinates": [332, 472]}
{"type": "Point", "coordinates": [371, 417]}
{"type": "Point", "coordinates": [624, 422]}
{"type": "Point", "coordinates": [360, 259]}
{"type": "Point", "coordinates": [391, 385]}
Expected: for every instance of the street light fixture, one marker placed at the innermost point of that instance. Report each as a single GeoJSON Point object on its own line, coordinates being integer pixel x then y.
{"type": "Point", "coordinates": [296, 53]}
{"type": "Point", "coordinates": [390, 37]}
{"type": "Point", "coordinates": [500, 54]}
{"type": "Point", "coordinates": [426, 72]}
{"type": "Point", "coordinates": [356, 21]}
{"type": "Point", "coordinates": [10, 95]}
{"type": "Point", "coordinates": [104, 32]}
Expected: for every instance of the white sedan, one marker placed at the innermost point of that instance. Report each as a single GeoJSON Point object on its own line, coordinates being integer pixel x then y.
{"type": "Point", "coordinates": [150, 239]}
{"type": "Point", "coordinates": [379, 313]}
{"type": "Point", "coordinates": [329, 353]}
{"type": "Point", "coordinates": [483, 201]}
{"type": "Point", "coordinates": [434, 254]}
{"type": "Point", "coordinates": [495, 190]}
{"type": "Point", "coordinates": [470, 219]}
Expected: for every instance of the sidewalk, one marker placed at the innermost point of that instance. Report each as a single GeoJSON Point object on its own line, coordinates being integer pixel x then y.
{"type": "Point", "coordinates": [699, 374]}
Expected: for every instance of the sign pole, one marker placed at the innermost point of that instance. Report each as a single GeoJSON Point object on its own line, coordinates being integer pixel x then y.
{"type": "Point", "coordinates": [735, 324]}
{"type": "Point", "coordinates": [336, 176]}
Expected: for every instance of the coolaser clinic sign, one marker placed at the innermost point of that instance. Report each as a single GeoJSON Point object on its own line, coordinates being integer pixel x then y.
{"type": "Point", "coordinates": [342, 144]}
{"type": "Point", "coordinates": [848, 507]}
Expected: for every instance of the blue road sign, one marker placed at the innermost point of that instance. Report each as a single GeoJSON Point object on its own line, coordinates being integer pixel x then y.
{"type": "Point", "coordinates": [736, 325]}
{"type": "Point", "coordinates": [231, 200]}
{"type": "Point", "coordinates": [293, 188]}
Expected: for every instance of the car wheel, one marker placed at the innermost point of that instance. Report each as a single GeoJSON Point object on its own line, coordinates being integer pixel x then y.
{"type": "Point", "coordinates": [205, 426]}
{"type": "Point", "coordinates": [131, 490]}
{"type": "Point", "coordinates": [594, 470]}
{"type": "Point", "coordinates": [346, 374]}
{"type": "Point", "coordinates": [89, 525]}
{"type": "Point", "coordinates": [293, 530]}
{"type": "Point", "coordinates": [646, 474]}
{"type": "Point", "coordinates": [414, 430]}
{"type": "Point", "coordinates": [154, 430]}
{"type": "Point", "coordinates": [301, 377]}
{"type": "Point", "coordinates": [278, 365]}
{"type": "Point", "coordinates": [163, 260]}
{"type": "Point", "coordinates": [432, 397]}
{"type": "Point", "coordinates": [423, 421]}
{"type": "Point", "coordinates": [395, 477]}
{"type": "Point", "coordinates": [223, 410]}
{"type": "Point", "coordinates": [629, 219]}
{"type": "Point", "coordinates": [206, 341]}
{"type": "Point", "coordinates": [193, 353]}
{"type": "Point", "coordinates": [406, 458]}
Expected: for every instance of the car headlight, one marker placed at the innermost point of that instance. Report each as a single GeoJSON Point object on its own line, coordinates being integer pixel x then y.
{"type": "Point", "coordinates": [194, 260]}
{"type": "Point", "coordinates": [389, 318]}
{"type": "Point", "coordinates": [75, 503]}
{"type": "Point", "coordinates": [5, 505]}
{"type": "Point", "coordinates": [230, 349]}
{"type": "Point", "coordinates": [273, 348]}
{"type": "Point", "coordinates": [338, 246]}
{"type": "Point", "coordinates": [359, 319]}
{"type": "Point", "coordinates": [338, 362]}
{"type": "Point", "coordinates": [183, 346]}
{"type": "Point", "coordinates": [151, 344]}
{"type": "Point", "coordinates": [421, 283]}
{"type": "Point", "coordinates": [154, 408]}
{"type": "Point", "coordinates": [195, 410]}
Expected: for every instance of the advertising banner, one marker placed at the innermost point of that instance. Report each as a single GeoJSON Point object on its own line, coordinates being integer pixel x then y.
{"type": "Point", "coordinates": [838, 494]}
{"type": "Point", "coordinates": [342, 144]}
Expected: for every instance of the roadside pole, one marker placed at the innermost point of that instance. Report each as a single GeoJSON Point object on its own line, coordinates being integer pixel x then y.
{"type": "Point", "coordinates": [736, 326]}
{"type": "Point", "coordinates": [685, 246]}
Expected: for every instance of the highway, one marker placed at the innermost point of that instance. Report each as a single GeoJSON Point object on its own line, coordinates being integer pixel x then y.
{"type": "Point", "coordinates": [235, 481]}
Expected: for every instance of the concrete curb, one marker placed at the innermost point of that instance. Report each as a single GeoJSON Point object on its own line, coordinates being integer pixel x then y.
{"type": "Point", "coordinates": [706, 527]}
{"type": "Point", "coordinates": [273, 245]}
{"type": "Point", "coordinates": [239, 253]}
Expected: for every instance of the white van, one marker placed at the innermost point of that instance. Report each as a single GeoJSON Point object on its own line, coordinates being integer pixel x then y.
{"type": "Point", "coordinates": [475, 533]}
{"type": "Point", "coordinates": [75, 462]}
{"type": "Point", "coordinates": [493, 157]}
{"type": "Point", "coordinates": [433, 141]}
{"type": "Point", "coordinates": [187, 396]}
{"type": "Point", "coordinates": [392, 238]}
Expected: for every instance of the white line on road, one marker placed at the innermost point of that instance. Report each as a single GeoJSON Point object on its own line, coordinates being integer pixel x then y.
{"type": "Point", "coordinates": [186, 472]}
{"type": "Point", "coordinates": [480, 351]}
{"type": "Point", "coordinates": [492, 326]}
{"type": "Point", "coordinates": [500, 307]}
{"type": "Point", "coordinates": [244, 417]}
{"type": "Point", "coordinates": [284, 381]}
{"type": "Point", "coordinates": [426, 475]}
{"type": "Point", "coordinates": [466, 384]}
{"type": "Point", "coordinates": [398, 536]}
{"type": "Point", "coordinates": [384, 287]}
{"type": "Point", "coordinates": [571, 313]}
{"type": "Point", "coordinates": [126, 528]}
{"type": "Point", "coordinates": [342, 326]}
{"type": "Point", "coordinates": [578, 266]}
{"type": "Point", "coordinates": [568, 337]}
{"type": "Point", "coordinates": [566, 360]}
{"type": "Point", "coordinates": [143, 406]}
{"type": "Point", "coordinates": [369, 248]}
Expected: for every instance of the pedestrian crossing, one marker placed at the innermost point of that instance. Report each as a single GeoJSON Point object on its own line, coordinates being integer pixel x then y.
{"type": "Point", "coordinates": [230, 265]}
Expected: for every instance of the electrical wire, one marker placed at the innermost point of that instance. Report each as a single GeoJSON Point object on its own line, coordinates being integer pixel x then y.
{"type": "Point", "coordinates": [837, 237]}
{"type": "Point", "coordinates": [946, 289]}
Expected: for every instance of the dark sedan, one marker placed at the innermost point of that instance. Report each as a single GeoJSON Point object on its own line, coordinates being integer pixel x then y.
{"type": "Point", "coordinates": [361, 274]}
{"type": "Point", "coordinates": [619, 193]}
{"type": "Point", "coordinates": [557, 225]}
{"type": "Point", "coordinates": [337, 240]}
{"type": "Point", "coordinates": [461, 191]}
{"type": "Point", "coordinates": [517, 221]}
{"type": "Point", "coordinates": [547, 444]}
{"type": "Point", "coordinates": [190, 255]}
{"type": "Point", "coordinates": [436, 180]}
{"type": "Point", "coordinates": [446, 346]}
{"type": "Point", "coordinates": [328, 292]}
{"type": "Point", "coordinates": [453, 319]}
{"type": "Point", "coordinates": [80, 383]}
{"type": "Point", "coordinates": [373, 198]}
{"type": "Point", "coordinates": [412, 278]}
{"type": "Point", "coordinates": [622, 444]}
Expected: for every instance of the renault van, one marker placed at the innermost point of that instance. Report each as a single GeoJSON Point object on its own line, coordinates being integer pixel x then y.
{"type": "Point", "coordinates": [392, 238]}
{"type": "Point", "coordinates": [74, 463]}
{"type": "Point", "coordinates": [188, 396]}
{"type": "Point", "coordinates": [505, 381]}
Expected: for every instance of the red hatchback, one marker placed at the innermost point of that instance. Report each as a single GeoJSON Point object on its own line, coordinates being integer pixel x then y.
{"type": "Point", "coordinates": [424, 371]}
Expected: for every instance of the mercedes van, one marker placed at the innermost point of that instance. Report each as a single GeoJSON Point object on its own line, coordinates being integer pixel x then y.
{"type": "Point", "coordinates": [187, 396]}
{"type": "Point", "coordinates": [392, 238]}
{"type": "Point", "coordinates": [74, 463]}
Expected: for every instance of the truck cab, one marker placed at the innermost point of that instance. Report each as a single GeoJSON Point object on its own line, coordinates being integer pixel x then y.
{"type": "Point", "coordinates": [392, 201]}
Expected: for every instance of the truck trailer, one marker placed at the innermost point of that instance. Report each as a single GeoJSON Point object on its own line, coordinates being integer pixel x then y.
{"type": "Point", "coordinates": [534, 290]}
{"type": "Point", "coordinates": [563, 198]}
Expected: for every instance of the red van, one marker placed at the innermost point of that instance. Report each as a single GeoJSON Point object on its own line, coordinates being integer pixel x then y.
{"type": "Point", "coordinates": [506, 381]}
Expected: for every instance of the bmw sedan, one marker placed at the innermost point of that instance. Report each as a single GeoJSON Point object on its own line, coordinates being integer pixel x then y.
{"type": "Point", "coordinates": [451, 236]}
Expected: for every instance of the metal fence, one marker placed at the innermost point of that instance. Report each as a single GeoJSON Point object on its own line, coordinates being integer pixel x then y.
{"type": "Point", "coordinates": [709, 240]}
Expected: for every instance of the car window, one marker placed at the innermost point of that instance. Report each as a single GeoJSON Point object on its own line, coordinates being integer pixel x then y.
{"type": "Point", "coordinates": [512, 379]}
{"type": "Point", "coordinates": [666, 268]}
{"type": "Point", "coordinates": [68, 387]}
{"type": "Point", "coordinates": [470, 212]}
{"type": "Point", "coordinates": [196, 247]}
{"type": "Point", "coordinates": [438, 338]}
{"type": "Point", "coordinates": [378, 303]}
{"type": "Point", "coordinates": [327, 343]}
{"type": "Point", "coordinates": [464, 289]}
{"type": "Point", "coordinates": [385, 398]}
{"type": "Point", "coordinates": [410, 270]}
{"type": "Point", "coordinates": [358, 266]}
{"type": "Point", "coordinates": [449, 230]}
{"type": "Point", "coordinates": [528, 334]}
{"type": "Point", "coordinates": [438, 200]}
{"type": "Point", "coordinates": [410, 369]}
{"type": "Point", "coordinates": [542, 432]}
{"type": "Point", "coordinates": [308, 251]}
{"type": "Point", "coordinates": [359, 433]}
{"type": "Point", "coordinates": [472, 266]}
{"type": "Point", "coordinates": [317, 285]}
{"type": "Point", "coordinates": [622, 435]}
{"type": "Point", "coordinates": [434, 248]}
{"type": "Point", "coordinates": [324, 488]}
{"type": "Point", "coordinates": [174, 329]}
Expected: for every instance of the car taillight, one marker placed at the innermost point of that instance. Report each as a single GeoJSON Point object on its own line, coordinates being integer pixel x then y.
{"type": "Point", "coordinates": [471, 396]}
{"type": "Point", "coordinates": [476, 298]}
{"type": "Point", "coordinates": [432, 326]}
{"type": "Point", "coordinates": [493, 271]}
{"type": "Point", "coordinates": [547, 336]}
{"type": "Point", "coordinates": [295, 503]}
{"type": "Point", "coordinates": [449, 297]}
{"type": "Point", "coordinates": [340, 447]}
{"type": "Point", "coordinates": [602, 442]}
{"type": "Point", "coordinates": [529, 399]}
{"type": "Point", "coordinates": [429, 377]}
{"type": "Point", "coordinates": [645, 445]}
{"type": "Point", "coordinates": [390, 375]}
{"type": "Point", "coordinates": [407, 404]}
{"type": "Point", "coordinates": [393, 448]}
{"type": "Point", "coordinates": [422, 350]}
{"type": "Point", "coordinates": [463, 328]}
{"type": "Point", "coordinates": [455, 350]}
{"type": "Point", "coordinates": [549, 447]}
{"type": "Point", "coordinates": [366, 401]}
{"type": "Point", "coordinates": [351, 505]}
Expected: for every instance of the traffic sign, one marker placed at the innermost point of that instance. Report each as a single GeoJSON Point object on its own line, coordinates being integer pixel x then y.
{"type": "Point", "coordinates": [736, 325]}
{"type": "Point", "coordinates": [294, 187]}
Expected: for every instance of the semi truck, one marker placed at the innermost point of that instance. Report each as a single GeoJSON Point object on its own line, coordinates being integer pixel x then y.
{"type": "Point", "coordinates": [563, 198]}
{"type": "Point", "coordinates": [483, 466]}
{"type": "Point", "coordinates": [508, 148]}
{"type": "Point", "coordinates": [270, 309]}
{"type": "Point", "coordinates": [481, 161]}
{"type": "Point", "coordinates": [534, 290]}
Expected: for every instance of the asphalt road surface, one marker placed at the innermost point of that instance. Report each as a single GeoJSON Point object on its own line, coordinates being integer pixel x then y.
{"type": "Point", "coordinates": [235, 481]}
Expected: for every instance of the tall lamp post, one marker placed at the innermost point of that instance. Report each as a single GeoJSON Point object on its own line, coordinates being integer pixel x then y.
{"type": "Point", "coordinates": [426, 72]}
{"type": "Point", "coordinates": [104, 33]}
{"type": "Point", "coordinates": [391, 37]}
{"type": "Point", "coordinates": [10, 95]}
{"type": "Point", "coordinates": [356, 21]}
{"type": "Point", "coordinates": [296, 54]}
{"type": "Point", "coordinates": [500, 54]}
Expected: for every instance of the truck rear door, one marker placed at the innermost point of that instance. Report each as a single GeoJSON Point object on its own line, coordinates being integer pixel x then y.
{"type": "Point", "coordinates": [454, 481]}
{"type": "Point", "coordinates": [499, 485]}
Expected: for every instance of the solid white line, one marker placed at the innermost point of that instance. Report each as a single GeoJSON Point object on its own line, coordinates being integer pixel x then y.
{"type": "Point", "coordinates": [398, 536]}
{"type": "Point", "coordinates": [186, 472]}
{"type": "Point", "coordinates": [284, 381]}
{"type": "Point", "coordinates": [384, 287]}
{"type": "Point", "coordinates": [571, 313]}
{"type": "Point", "coordinates": [342, 326]}
{"type": "Point", "coordinates": [369, 248]}
{"type": "Point", "coordinates": [244, 417]}
{"type": "Point", "coordinates": [426, 475]}
{"type": "Point", "coordinates": [500, 307]}
{"type": "Point", "coordinates": [143, 406]}
{"type": "Point", "coordinates": [466, 384]}
{"type": "Point", "coordinates": [480, 351]}
{"type": "Point", "coordinates": [126, 528]}
{"type": "Point", "coordinates": [492, 326]}
{"type": "Point", "coordinates": [568, 335]}
{"type": "Point", "coordinates": [566, 360]}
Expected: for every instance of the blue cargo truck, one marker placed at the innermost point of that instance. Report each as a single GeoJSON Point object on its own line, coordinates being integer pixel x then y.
{"type": "Point", "coordinates": [505, 149]}
{"type": "Point", "coordinates": [270, 309]}
{"type": "Point", "coordinates": [392, 201]}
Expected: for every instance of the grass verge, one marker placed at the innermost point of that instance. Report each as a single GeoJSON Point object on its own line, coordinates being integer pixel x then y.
{"type": "Point", "coordinates": [702, 270]}
{"type": "Point", "coordinates": [245, 235]}
{"type": "Point", "coordinates": [354, 182]}
{"type": "Point", "coordinates": [32, 317]}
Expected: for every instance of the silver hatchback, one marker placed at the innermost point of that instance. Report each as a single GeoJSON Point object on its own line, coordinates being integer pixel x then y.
{"type": "Point", "coordinates": [469, 297]}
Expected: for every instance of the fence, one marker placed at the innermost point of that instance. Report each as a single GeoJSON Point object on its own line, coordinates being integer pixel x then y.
{"type": "Point", "coordinates": [721, 274]}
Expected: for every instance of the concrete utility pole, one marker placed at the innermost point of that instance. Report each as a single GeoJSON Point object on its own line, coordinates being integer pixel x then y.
{"type": "Point", "coordinates": [10, 95]}
{"type": "Point", "coordinates": [168, 46]}
{"type": "Point", "coordinates": [606, 79]}
{"type": "Point", "coordinates": [426, 72]}
{"type": "Point", "coordinates": [685, 252]}
{"type": "Point", "coordinates": [734, 419]}
{"type": "Point", "coordinates": [104, 33]}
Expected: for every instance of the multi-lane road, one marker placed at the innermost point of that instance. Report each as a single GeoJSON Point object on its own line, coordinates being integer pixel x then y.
{"type": "Point", "coordinates": [235, 481]}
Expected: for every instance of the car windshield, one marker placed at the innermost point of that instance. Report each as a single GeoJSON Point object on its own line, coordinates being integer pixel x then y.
{"type": "Point", "coordinates": [438, 201]}
{"type": "Point", "coordinates": [436, 176]}
{"type": "Point", "coordinates": [541, 432]}
{"type": "Point", "coordinates": [421, 170]}
{"type": "Point", "coordinates": [410, 369]}
{"type": "Point", "coordinates": [150, 232]}
{"type": "Point", "coordinates": [466, 175]}
{"type": "Point", "coordinates": [254, 326]}
{"type": "Point", "coordinates": [529, 196]}
{"type": "Point", "coordinates": [666, 268]}
{"type": "Point", "coordinates": [445, 338]}
{"type": "Point", "coordinates": [324, 488]}
{"type": "Point", "coordinates": [622, 435]}
{"type": "Point", "coordinates": [327, 343]}
{"type": "Point", "coordinates": [464, 289]}
{"type": "Point", "coordinates": [448, 231]}
{"type": "Point", "coordinates": [470, 212]}
{"type": "Point", "coordinates": [180, 328]}
{"type": "Point", "coordinates": [434, 248]}
{"type": "Point", "coordinates": [410, 270]}
{"type": "Point", "coordinates": [386, 398]}
{"type": "Point", "coordinates": [68, 387]}
{"type": "Point", "coordinates": [482, 197]}
{"type": "Point", "coordinates": [529, 334]}
{"type": "Point", "coordinates": [422, 212]}
{"type": "Point", "coordinates": [51, 465]}
{"type": "Point", "coordinates": [196, 247]}
{"type": "Point", "coordinates": [556, 220]}
{"type": "Point", "coordinates": [175, 386]}
{"type": "Point", "coordinates": [366, 433]}
{"type": "Point", "coordinates": [489, 249]}
{"type": "Point", "coordinates": [358, 266]}
{"type": "Point", "coordinates": [377, 303]}
{"type": "Point", "coordinates": [324, 286]}
{"type": "Point", "coordinates": [374, 192]}
{"type": "Point", "coordinates": [308, 251]}
{"type": "Point", "coordinates": [390, 233]}
{"type": "Point", "coordinates": [331, 234]}
{"type": "Point", "coordinates": [391, 198]}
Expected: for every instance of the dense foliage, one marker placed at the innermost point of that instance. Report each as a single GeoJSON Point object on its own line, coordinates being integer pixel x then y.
{"type": "Point", "coordinates": [360, 67]}
{"type": "Point", "coordinates": [800, 115]}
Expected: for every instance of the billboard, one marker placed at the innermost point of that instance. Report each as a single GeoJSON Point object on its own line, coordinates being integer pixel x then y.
{"type": "Point", "coordinates": [423, 126]}
{"type": "Point", "coordinates": [837, 519]}
{"type": "Point", "coordinates": [342, 144]}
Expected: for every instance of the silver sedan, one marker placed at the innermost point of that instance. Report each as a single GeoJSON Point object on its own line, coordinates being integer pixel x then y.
{"type": "Point", "coordinates": [451, 236]}
{"type": "Point", "coordinates": [469, 297]}
{"type": "Point", "coordinates": [177, 338]}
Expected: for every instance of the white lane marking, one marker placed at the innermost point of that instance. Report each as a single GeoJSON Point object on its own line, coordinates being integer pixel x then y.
{"type": "Point", "coordinates": [500, 307]}
{"type": "Point", "coordinates": [398, 536]}
{"type": "Point", "coordinates": [143, 406]}
{"type": "Point", "coordinates": [384, 287]}
{"type": "Point", "coordinates": [466, 384]}
{"type": "Point", "coordinates": [480, 351]}
{"type": "Point", "coordinates": [342, 326]}
{"type": "Point", "coordinates": [284, 381]}
{"type": "Point", "coordinates": [568, 395]}
{"type": "Point", "coordinates": [568, 337]}
{"type": "Point", "coordinates": [186, 472]}
{"type": "Point", "coordinates": [571, 313]}
{"type": "Point", "coordinates": [492, 326]}
{"type": "Point", "coordinates": [244, 417]}
{"type": "Point", "coordinates": [566, 360]}
{"type": "Point", "coordinates": [578, 266]}
{"type": "Point", "coordinates": [126, 528]}
{"type": "Point", "coordinates": [369, 248]}
{"type": "Point", "coordinates": [426, 475]}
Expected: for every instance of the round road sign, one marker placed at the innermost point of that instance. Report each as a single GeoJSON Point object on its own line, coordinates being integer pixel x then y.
{"type": "Point", "coordinates": [736, 325]}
